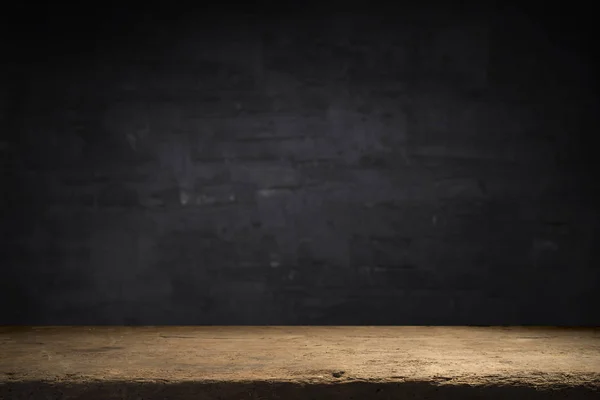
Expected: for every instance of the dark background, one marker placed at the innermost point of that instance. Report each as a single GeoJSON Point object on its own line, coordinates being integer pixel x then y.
{"type": "Point", "coordinates": [419, 165]}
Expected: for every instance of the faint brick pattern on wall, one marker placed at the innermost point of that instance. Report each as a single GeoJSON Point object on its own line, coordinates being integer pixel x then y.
{"type": "Point", "coordinates": [362, 174]}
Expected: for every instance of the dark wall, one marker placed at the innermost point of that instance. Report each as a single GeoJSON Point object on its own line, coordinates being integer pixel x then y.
{"type": "Point", "coordinates": [429, 166]}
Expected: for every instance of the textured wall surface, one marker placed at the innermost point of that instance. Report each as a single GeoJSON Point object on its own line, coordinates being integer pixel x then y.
{"type": "Point", "coordinates": [420, 168]}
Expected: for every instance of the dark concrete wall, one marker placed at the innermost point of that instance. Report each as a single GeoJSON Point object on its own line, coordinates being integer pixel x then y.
{"type": "Point", "coordinates": [420, 167]}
